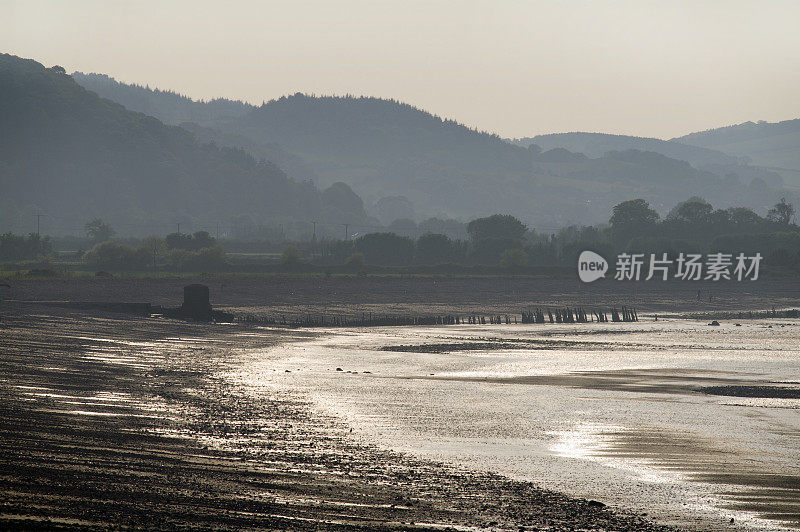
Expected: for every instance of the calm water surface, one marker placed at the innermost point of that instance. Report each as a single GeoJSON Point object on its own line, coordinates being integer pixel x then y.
{"type": "Point", "coordinates": [613, 412]}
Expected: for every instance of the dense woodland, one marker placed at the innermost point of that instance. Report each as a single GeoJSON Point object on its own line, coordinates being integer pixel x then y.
{"type": "Point", "coordinates": [386, 149]}
{"type": "Point", "coordinates": [72, 155]}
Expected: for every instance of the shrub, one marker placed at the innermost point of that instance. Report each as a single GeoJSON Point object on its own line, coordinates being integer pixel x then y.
{"type": "Point", "coordinates": [291, 256]}
{"type": "Point", "coordinates": [206, 260]}
{"type": "Point", "coordinates": [514, 259]}
{"type": "Point", "coordinates": [355, 261]}
{"type": "Point", "coordinates": [111, 255]}
{"type": "Point", "coordinates": [386, 249]}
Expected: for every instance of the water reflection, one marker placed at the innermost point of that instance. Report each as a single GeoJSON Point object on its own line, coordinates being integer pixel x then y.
{"type": "Point", "coordinates": [614, 412]}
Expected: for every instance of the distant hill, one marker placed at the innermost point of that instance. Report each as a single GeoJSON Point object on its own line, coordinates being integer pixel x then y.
{"type": "Point", "coordinates": [771, 144]}
{"type": "Point", "coordinates": [73, 156]}
{"type": "Point", "coordinates": [386, 149]}
{"type": "Point", "coordinates": [598, 144]}
{"type": "Point", "coordinates": [294, 165]}
{"type": "Point", "coordinates": [168, 106]}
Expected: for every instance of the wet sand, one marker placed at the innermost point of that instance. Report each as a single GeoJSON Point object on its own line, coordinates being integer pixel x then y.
{"type": "Point", "coordinates": [692, 424]}
{"type": "Point", "coordinates": [768, 494]}
{"type": "Point", "coordinates": [114, 422]}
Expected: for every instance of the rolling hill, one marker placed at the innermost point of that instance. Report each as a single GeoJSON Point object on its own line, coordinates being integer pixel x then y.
{"type": "Point", "coordinates": [383, 149]}
{"type": "Point", "coordinates": [73, 156]}
{"type": "Point", "coordinates": [598, 144]}
{"type": "Point", "coordinates": [775, 145]}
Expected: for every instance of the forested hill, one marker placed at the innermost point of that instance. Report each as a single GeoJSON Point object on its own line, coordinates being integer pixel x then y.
{"type": "Point", "coordinates": [379, 147]}
{"type": "Point", "coordinates": [319, 125]}
{"type": "Point", "coordinates": [73, 156]}
{"type": "Point", "coordinates": [771, 144]}
{"type": "Point", "coordinates": [168, 106]}
{"type": "Point", "coordinates": [598, 144]}
{"type": "Point", "coordinates": [384, 149]}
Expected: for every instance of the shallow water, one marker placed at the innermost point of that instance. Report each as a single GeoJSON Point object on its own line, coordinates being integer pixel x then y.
{"type": "Point", "coordinates": [612, 412]}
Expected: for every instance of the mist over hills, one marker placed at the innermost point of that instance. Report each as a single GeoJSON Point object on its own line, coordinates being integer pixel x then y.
{"type": "Point", "coordinates": [179, 110]}
{"type": "Point", "coordinates": [73, 156]}
{"type": "Point", "coordinates": [101, 159]}
{"type": "Point", "coordinates": [771, 144]}
{"type": "Point", "coordinates": [597, 145]}
{"type": "Point", "coordinates": [168, 106]}
{"type": "Point", "coordinates": [385, 149]}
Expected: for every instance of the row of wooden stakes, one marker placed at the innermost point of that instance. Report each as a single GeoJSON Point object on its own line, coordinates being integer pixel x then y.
{"type": "Point", "coordinates": [579, 315]}
{"type": "Point", "coordinates": [565, 315]}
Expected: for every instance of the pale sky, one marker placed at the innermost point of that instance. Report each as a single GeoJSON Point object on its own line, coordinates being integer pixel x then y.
{"type": "Point", "coordinates": [516, 68]}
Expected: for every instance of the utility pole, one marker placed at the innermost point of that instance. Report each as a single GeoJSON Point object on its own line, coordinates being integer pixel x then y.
{"type": "Point", "coordinates": [217, 230]}
{"type": "Point", "coordinates": [346, 233]}
{"type": "Point", "coordinates": [314, 239]}
{"type": "Point", "coordinates": [38, 217]}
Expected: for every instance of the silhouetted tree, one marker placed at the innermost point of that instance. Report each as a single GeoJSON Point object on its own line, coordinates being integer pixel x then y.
{"type": "Point", "coordinates": [403, 227]}
{"type": "Point", "coordinates": [496, 226]}
{"type": "Point", "coordinates": [434, 249]}
{"type": "Point", "coordinates": [99, 231]}
{"type": "Point", "coordinates": [178, 241]}
{"type": "Point", "coordinates": [17, 247]}
{"type": "Point", "coordinates": [742, 217]}
{"type": "Point", "coordinates": [782, 212]}
{"type": "Point", "coordinates": [632, 218]}
{"type": "Point", "coordinates": [692, 211]}
{"type": "Point", "coordinates": [202, 239]}
{"type": "Point", "coordinates": [386, 249]}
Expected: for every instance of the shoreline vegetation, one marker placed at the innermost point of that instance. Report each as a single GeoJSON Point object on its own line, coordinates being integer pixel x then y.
{"type": "Point", "coordinates": [128, 422]}
{"type": "Point", "coordinates": [499, 244]}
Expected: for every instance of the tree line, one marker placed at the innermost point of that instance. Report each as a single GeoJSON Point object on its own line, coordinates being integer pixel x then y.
{"type": "Point", "coordinates": [498, 241]}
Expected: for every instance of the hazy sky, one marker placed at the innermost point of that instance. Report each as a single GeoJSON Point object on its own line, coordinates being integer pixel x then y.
{"type": "Point", "coordinates": [517, 68]}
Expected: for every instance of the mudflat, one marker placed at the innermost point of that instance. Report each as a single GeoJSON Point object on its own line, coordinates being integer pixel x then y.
{"type": "Point", "coordinates": [114, 422]}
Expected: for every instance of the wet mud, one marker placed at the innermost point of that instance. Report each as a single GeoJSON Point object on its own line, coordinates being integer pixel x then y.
{"type": "Point", "coordinates": [110, 422]}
